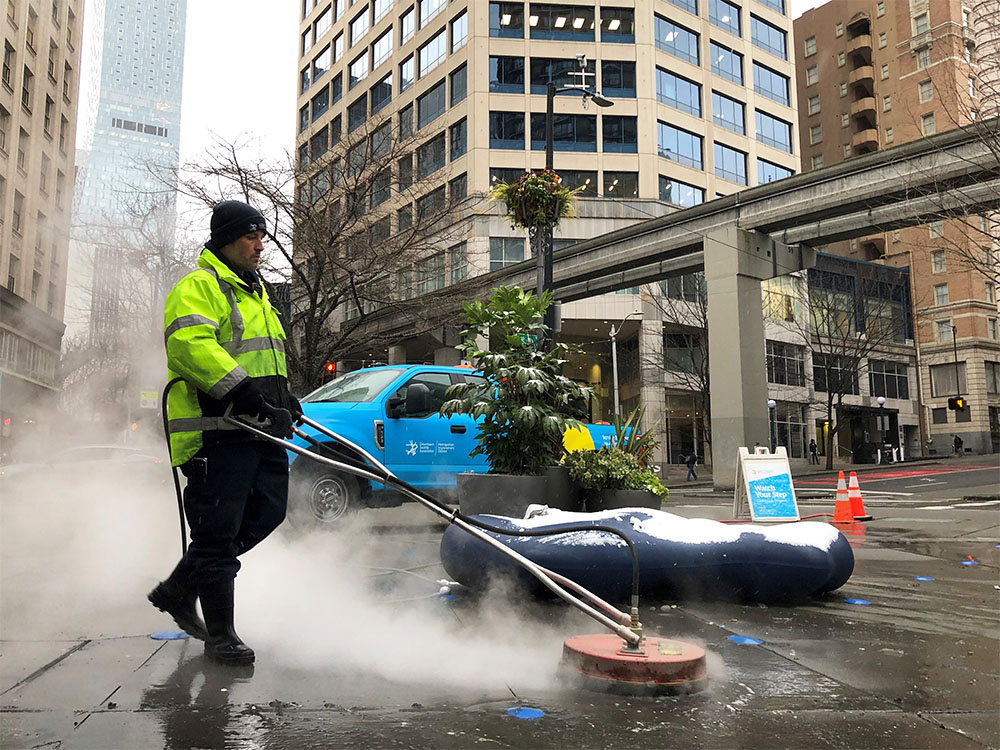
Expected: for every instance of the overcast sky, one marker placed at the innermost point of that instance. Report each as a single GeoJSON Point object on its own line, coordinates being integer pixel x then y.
{"type": "Point", "coordinates": [240, 71]}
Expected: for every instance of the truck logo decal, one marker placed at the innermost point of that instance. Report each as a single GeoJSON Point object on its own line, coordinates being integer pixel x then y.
{"type": "Point", "coordinates": [411, 448]}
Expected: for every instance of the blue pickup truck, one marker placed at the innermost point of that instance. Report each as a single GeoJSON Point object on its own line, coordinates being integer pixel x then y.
{"type": "Point", "coordinates": [377, 409]}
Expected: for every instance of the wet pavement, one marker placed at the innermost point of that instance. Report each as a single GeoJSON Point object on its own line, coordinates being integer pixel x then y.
{"type": "Point", "coordinates": [358, 647]}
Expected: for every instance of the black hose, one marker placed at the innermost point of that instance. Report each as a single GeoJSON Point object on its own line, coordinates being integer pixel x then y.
{"type": "Point", "coordinates": [173, 469]}
{"type": "Point", "coordinates": [325, 448]}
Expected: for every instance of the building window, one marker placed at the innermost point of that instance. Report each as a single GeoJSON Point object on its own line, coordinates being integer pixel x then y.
{"type": "Point", "coordinates": [569, 132]}
{"type": "Point", "coordinates": [886, 103]}
{"type": "Point", "coordinates": [382, 49]}
{"type": "Point", "coordinates": [404, 167]}
{"type": "Point", "coordinates": [689, 5]}
{"type": "Point", "coordinates": [835, 373]}
{"type": "Point", "coordinates": [938, 263]}
{"type": "Point", "coordinates": [407, 26]}
{"type": "Point", "coordinates": [620, 134]}
{"type": "Point", "coordinates": [882, 40]}
{"type": "Point", "coordinates": [507, 20]}
{"type": "Point", "coordinates": [728, 113]}
{"type": "Point", "coordinates": [730, 164]}
{"type": "Point", "coordinates": [941, 294]}
{"type": "Point", "coordinates": [406, 74]}
{"type": "Point", "coordinates": [923, 58]}
{"type": "Point", "coordinates": [431, 156]}
{"type": "Point", "coordinates": [992, 328]}
{"type": "Point", "coordinates": [678, 92]}
{"type": "Point", "coordinates": [558, 71]}
{"type": "Point", "coordinates": [921, 23]}
{"type": "Point", "coordinates": [769, 172]}
{"type": "Point", "coordinates": [459, 84]}
{"type": "Point", "coordinates": [381, 93]}
{"type": "Point", "coordinates": [880, 8]}
{"type": "Point", "coordinates": [679, 145]}
{"type": "Point", "coordinates": [845, 119]}
{"type": "Point", "coordinates": [357, 70]}
{"type": "Point", "coordinates": [618, 79]}
{"type": "Point", "coordinates": [320, 65]}
{"type": "Point", "coordinates": [618, 25]}
{"type": "Point", "coordinates": [430, 106]}
{"type": "Point", "coordinates": [357, 113]}
{"type": "Point", "coordinates": [725, 15]}
{"type": "Point", "coordinates": [429, 9]}
{"type": "Point", "coordinates": [26, 88]}
{"type": "Point", "coordinates": [839, 29]}
{"type": "Point", "coordinates": [318, 144]}
{"type": "Point", "coordinates": [817, 161]}
{"type": "Point", "coordinates": [621, 184]}
{"type": "Point", "coordinates": [944, 330]}
{"type": "Point", "coordinates": [580, 178]}
{"type": "Point", "coordinates": [810, 46]}
{"type": "Point", "coordinates": [943, 379]}
{"type": "Point", "coordinates": [430, 204]}
{"type": "Point", "coordinates": [768, 37]}
{"type": "Point", "coordinates": [338, 47]}
{"type": "Point", "coordinates": [812, 75]}
{"type": "Point", "coordinates": [992, 378]}
{"type": "Point", "coordinates": [507, 75]}
{"type": "Point", "coordinates": [936, 228]}
{"type": "Point", "coordinates": [812, 104]}
{"type": "Point", "coordinates": [432, 54]}
{"type": "Point", "coordinates": [505, 251]}
{"type": "Point", "coordinates": [459, 31]}
{"type": "Point", "coordinates": [458, 263]}
{"type": "Point", "coordinates": [680, 193]}
{"type": "Point", "coordinates": [888, 379]}
{"type": "Point", "coordinates": [320, 103]}
{"type": "Point", "coordinates": [381, 188]}
{"type": "Point", "coordinates": [990, 292]}
{"type": "Point", "coordinates": [507, 130]}
{"type": "Point", "coordinates": [770, 83]}
{"type": "Point", "coordinates": [458, 134]}
{"type": "Point", "coordinates": [927, 126]}
{"type": "Point", "coordinates": [676, 40]}
{"type": "Point", "coordinates": [726, 63]}
{"type": "Point", "coordinates": [889, 138]}
{"type": "Point", "coordinates": [571, 23]}
{"type": "Point", "coordinates": [841, 59]}
{"type": "Point", "coordinates": [379, 9]}
{"type": "Point", "coordinates": [885, 71]}
{"type": "Point", "coordinates": [359, 27]}
{"type": "Point", "coordinates": [774, 132]}
{"type": "Point", "coordinates": [785, 364]}
{"type": "Point", "coordinates": [843, 89]}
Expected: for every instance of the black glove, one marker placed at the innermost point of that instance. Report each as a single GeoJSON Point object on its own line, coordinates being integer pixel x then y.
{"type": "Point", "coordinates": [294, 407]}
{"type": "Point", "coordinates": [247, 399]}
{"type": "Point", "coordinates": [280, 420]}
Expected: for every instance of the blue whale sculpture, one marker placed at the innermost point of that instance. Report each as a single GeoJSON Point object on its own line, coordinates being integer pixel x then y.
{"type": "Point", "coordinates": [679, 558]}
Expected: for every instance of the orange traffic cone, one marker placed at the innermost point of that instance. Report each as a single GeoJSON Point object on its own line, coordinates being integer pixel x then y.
{"type": "Point", "coordinates": [842, 508]}
{"type": "Point", "coordinates": [857, 503]}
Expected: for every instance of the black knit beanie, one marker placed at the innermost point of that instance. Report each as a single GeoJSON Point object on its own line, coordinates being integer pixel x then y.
{"type": "Point", "coordinates": [233, 219]}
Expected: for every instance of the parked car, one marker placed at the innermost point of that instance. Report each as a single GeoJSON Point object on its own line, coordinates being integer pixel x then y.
{"type": "Point", "coordinates": [374, 408]}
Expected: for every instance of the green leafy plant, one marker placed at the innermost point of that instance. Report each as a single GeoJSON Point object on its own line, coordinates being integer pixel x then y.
{"type": "Point", "coordinates": [527, 403]}
{"type": "Point", "coordinates": [536, 200]}
{"type": "Point", "coordinates": [612, 468]}
{"type": "Point", "coordinates": [631, 439]}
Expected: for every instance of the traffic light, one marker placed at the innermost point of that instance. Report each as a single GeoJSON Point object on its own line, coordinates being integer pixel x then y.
{"type": "Point", "coordinates": [957, 403]}
{"type": "Point", "coordinates": [331, 367]}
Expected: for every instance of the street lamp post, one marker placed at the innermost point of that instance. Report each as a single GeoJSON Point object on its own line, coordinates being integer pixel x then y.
{"type": "Point", "coordinates": [543, 250]}
{"type": "Point", "coordinates": [614, 357]}
{"type": "Point", "coordinates": [771, 404]}
{"type": "Point", "coordinates": [882, 428]}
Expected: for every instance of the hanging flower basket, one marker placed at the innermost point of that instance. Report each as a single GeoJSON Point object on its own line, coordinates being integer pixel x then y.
{"type": "Point", "coordinates": [537, 200]}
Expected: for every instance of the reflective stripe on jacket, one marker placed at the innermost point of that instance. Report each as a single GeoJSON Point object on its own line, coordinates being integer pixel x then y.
{"type": "Point", "coordinates": [217, 333]}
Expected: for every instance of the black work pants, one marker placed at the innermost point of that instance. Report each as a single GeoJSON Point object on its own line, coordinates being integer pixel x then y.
{"type": "Point", "coordinates": [236, 495]}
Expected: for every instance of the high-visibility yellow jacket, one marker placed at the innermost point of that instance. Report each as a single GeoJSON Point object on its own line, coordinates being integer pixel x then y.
{"type": "Point", "coordinates": [218, 333]}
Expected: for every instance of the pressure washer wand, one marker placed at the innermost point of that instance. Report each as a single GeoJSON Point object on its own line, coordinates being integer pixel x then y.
{"type": "Point", "coordinates": [625, 627]}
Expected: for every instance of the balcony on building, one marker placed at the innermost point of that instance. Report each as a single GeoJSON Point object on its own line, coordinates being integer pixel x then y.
{"type": "Point", "coordinates": [861, 75]}
{"type": "Point", "coordinates": [859, 25]}
{"type": "Point", "coordinates": [861, 43]}
{"type": "Point", "coordinates": [863, 107]}
{"type": "Point", "coordinates": [865, 141]}
{"type": "Point", "coordinates": [872, 248]}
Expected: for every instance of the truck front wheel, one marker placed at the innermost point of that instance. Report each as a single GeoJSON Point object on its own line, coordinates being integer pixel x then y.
{"type": "Point", "coordinates": [319, 498]}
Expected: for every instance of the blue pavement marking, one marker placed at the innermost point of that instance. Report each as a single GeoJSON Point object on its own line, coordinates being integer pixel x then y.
{"type": "Point", "coordinates": [525, 713]}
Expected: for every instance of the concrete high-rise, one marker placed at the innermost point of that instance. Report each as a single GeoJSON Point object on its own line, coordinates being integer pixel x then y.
{"type": "Point", "coordinates": [875, 73]}
{"type": "Point", "coordinates": [703, 107]}
{"type": "Point", "coordinates": [129, 156]}
{"type": "Point", "coordinates": [38, 116]}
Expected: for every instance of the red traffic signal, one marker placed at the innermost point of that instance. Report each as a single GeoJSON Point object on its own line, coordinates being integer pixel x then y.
{"type": "Point", "coordinates": [957, 403]}
{"type": "Point", "coordinates": [331, 366]}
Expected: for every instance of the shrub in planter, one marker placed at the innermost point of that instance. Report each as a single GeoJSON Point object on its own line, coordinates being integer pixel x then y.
{"type": "Point", "coordinates": [527, 403]}
{"type": "Point", "coordinates": [610, 471]}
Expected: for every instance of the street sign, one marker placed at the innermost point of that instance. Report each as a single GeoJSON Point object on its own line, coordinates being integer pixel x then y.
{"type": "Point", "coordinates": [764, 490]}
{"type": "Point", "coordinates": [148, 399]}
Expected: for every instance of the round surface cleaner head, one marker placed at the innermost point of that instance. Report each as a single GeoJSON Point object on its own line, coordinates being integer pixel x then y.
{"type": "Point", "coordinates": [661, 665]}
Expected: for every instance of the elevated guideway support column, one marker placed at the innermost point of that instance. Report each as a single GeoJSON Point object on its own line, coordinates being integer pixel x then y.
{"type": "Point", "coordinates": [736, 260]}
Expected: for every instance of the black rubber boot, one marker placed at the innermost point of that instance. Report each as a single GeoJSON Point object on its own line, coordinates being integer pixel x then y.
{"type": "Point", "coordinates": [222, 645]}
{"type": "Point", "coordinates": [176, 596]}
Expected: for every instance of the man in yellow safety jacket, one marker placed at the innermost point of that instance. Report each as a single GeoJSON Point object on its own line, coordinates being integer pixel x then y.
{"type": "Point", "coordinates": [225, 342]}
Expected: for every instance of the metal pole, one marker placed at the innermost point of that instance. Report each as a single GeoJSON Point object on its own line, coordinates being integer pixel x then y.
{"type": "Point", "coordinates": [954, 343]}
{"type": "Point", "coordinates": [614, 367]}
{"type": "Point", "coordinates": [543, 259]}
{"type": "Point", "coordinates": [550, 99]}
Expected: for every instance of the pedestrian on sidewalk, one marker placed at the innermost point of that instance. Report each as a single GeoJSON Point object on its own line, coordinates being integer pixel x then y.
{"type": "Point", "coordinates": [813, 452]}
{"type": "Point", "coordinates": [958, 446]}
{"type": "Point", "coordinates": [692, 461]}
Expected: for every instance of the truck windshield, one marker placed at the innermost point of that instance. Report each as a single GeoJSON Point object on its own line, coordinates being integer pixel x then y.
{"type": "Point", "coordinates": [354, 387]}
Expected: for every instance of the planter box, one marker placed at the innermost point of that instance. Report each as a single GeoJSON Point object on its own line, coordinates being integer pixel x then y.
{"type": "Point", "coordinates": [510, 495]}
{"type": "Point", "coordinates": [598, 500]}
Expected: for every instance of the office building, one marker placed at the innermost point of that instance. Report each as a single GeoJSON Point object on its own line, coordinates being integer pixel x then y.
{"type": "Point", "coordinates": [874, 74]}
{"type": "Point", "coordinates": [38, 115]}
